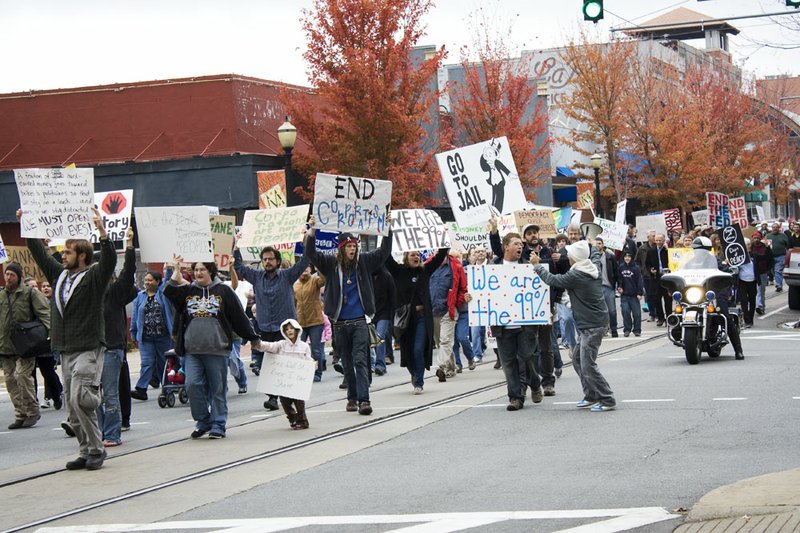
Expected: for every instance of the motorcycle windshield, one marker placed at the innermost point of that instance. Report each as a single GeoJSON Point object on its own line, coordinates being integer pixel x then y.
{"type": "Point", "coordinates": [701, 259]}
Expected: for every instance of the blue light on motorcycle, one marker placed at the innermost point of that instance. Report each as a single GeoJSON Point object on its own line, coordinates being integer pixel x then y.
{"type": "Point", "coordinates": [676, 296]}
{"type": "Point", "coordinates": [711, 295]}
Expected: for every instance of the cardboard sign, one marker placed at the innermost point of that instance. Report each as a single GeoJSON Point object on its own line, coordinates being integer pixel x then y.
{"type": "Point", "coordinates": [481, 180]}
{"type": "Point", "coordinates": [738, 211]}
{"type": "Point", "coordinates": [585, 194]}
{"type": "Point", "coordinates": [678, 257]}
{"type": "Point", "coordinates": [287, 376]}
{"type": "Point", "coordinates": [619, 216]}
{"type": "Point", "coordinates": [613, 234]}
{"type": "Point", "coordinates": [271, 188]}
{"type": "Point", "coordinates": [223, 232]}
{"type": "Point", "coordinates": [3, 252]}
{"type": "Point", "coordinates": [21, 255]}
{"type": "Point", "coordinates": [542, 218]}
{"type": "Point", "coordinates": [650, 223]}
{"type": "Point", "coordinates": [760, 213]}
{"type": "Point", "coordinates": [181, 230]}
{"type": "Point", "coordinates": [115, 208]}
{"type": "Point", "coordinates": [562, 218]}
{"type": "Point", "coordinates": [718, 213]}
{"type": "Point", "coordinates": [505, 295]}
{"type": "Point", "coordinates": [418, 229]}
{"type": "Point", "coordinates": [346, 203]}
{"type": "Point", "coordinates": [672, 218]}
{"type": "Point", "coordinates": [700, 218]}
{"type": "Point", "coordinates": [280, 225]}
{"type": "Point", "coordinates": [465, 240]}
{"type": "Point", "coordinates": [56, 202]}
{"type": "Point", "coordinates": [733, 245]}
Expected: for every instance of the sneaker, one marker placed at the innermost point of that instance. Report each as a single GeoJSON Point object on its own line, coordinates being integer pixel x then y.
{"type": "Point", "coordinates": [300, 424]}
{"type": "Point", "coordinates": [139, 394]}
{"type": "Point", "coordinates": [154, 384]}
{"type": "Point", "coordinates": [389, 359]}
{"type": "Point", "coordinates": [600, 408]}
{"type": "Point", "coordinates": [585, 404]}
{"type": "Point", "coordinates": [256, 371]}
{"type": "Point", "coordinates": [77, 464]}
{"type": "Point", "coordinates": [243, 390]}
{"type": "Point", "coordinates": [351, 406]}
{"type": "Point", "coordinates": [67, 429]}
{"type": "Point", "coordinates": [659, 323]}
{"type": "Point", "coordinates": [651, 319]}
{"type": "Point", "coordinates": [536, 395]}
{"type": "Point", "coordinates": [549, 390]}
{"type": "Point", "coordinates": [626, 333]}
{"type": "Point", "coordinates": [459, 370]}
{"type": "Point", "coordinates": [338, 367]}
{"type": "Point", "coordinates": [379, 371]}
{"type": "Point", "coordinates": [450, 374]}
{"type": "Point", "coordinates": [30, 421]}
{"type": "Point", "coordinates": [558, 372]}
{"type": "Point", "coordinates": [364, 408]}
{"type": "Point", "coordinates": [418, 391]}
{"type": "Point", "coordinates": [760, 310]}
{"type": "Point", "coordinates": [614, 334]}
{"type": "Point", "coordinates": [58, 403]}
{"type": "Point", "coordinates": [111, 443]}
{"type": "Point", "coordinates": [197, 433]}
{"type": "Point", "coordinates": [514, 405]}
{"type": "Point", "coordinates": [778, 289]}
{"type": "Point", "coordinates": [440, 374]}
{"type": "Point", "coordinates": [498, 364]}
{"type": "Point", "coordinates": [317, 379]}
{"type": "Point", "coordinates": [471, 364]}
{"type": "Point", "coordinates": [45, 404]}
{"type": "Point", "coordinates": [16, 424]}
{"type": "Point", "coordinates": [126, 425]}
{"type": "Point", "coordinates": [216, 435]}
{"type": "Point", "coordinates": [271, 403]}
{"type": "Point", "coordinates": [95, 461]}
{"type": "Point", "coordinates": [637, 334]}
{"type": "Point", "coordinates": [739, 356]}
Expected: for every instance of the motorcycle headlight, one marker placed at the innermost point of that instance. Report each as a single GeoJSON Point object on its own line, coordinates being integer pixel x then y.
{"type": "Point", "coordinates": [694, 295]}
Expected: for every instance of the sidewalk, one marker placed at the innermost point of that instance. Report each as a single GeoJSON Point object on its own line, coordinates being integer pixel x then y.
{"type": "Point", "coordinates": [765, 503]}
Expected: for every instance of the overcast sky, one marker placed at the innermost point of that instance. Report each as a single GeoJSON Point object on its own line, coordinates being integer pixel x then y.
{"type": "Point", "coordinates": [47, 44]}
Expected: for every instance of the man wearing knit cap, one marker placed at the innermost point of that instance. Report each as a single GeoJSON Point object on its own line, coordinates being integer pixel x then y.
{"type": "Point", "coordinates": [19, 303]}
{"type": "Point", "coordinates": [583, 284]}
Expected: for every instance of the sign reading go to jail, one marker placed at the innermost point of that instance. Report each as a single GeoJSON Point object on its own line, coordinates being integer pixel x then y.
{"type": "Point", "coordinates": [507, 295]}
{"type": "Point", "coordinates": [418, 229]}
{"type": "Point", "coordinates": [357, 205]}
{"type": "Point", "coordinates": [279, 225]}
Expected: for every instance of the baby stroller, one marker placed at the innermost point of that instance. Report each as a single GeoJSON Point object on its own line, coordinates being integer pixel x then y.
{"type": "Point", "coordinates": [173, 381]}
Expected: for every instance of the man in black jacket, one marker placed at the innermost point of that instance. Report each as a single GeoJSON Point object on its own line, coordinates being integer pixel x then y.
{"type": "Point", "coordinates": [383, 285]}
{"type": "Point", "coordinates": [609, 276]}
{"type": "Point", "coordinates": [657, 264]}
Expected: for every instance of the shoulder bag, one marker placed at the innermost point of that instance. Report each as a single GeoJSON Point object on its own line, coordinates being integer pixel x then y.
{"type": "Point", "coordinates": [402, 319]}
{"type": "Point", "coordinates": [30, 338]}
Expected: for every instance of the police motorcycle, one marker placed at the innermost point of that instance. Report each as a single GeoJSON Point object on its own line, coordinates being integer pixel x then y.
{"type": "Point", "coordinates": [697, 324]}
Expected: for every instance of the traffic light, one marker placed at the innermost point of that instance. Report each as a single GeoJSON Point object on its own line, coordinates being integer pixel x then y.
{"type": "Point", "coordinates": [791, 3]}
{"type": "Point", "coordinates": [593, 9]}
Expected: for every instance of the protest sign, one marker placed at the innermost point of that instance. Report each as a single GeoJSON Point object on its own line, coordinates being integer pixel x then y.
{"type": "Point", "coordinates": [287, 376]}
{"type": "Point", "coordinates": [506, 224]}
{"type": "Point", "coordinates": [21, 255]}
{"type": "Point", "coordinates": [585, 194]}
{"type": "Point", "coordinates": [181, 230]}
{"type": "Point", "coordinates": [326, 242]}
{"type": "Point", "coordinates": [481, 180]}
{"type": "Point", "coordinates": [539, 217]}
{"type": "Point", "coordinates": [700, 218]}
{"type": "Point", "coordinates": [346, 203]}
{"type": "Point", "coordinates": [760, 214]}
{"type": "Point", "coordinates": [56, 202]}
{"type": "Point", "coordinates": [465, 240]}
{"type": "Point", "coordinates": [223, 232]}
{"type": "Point", "coordinates": [718, 214]}
{"type": "Point", "coordinates": [613, 234]}
{"type": "Point", "coordinates": [115, 208]}
{"type": "Point", "coordinates": [738, 211]}
{"type": "Point", "coordinates": [280, 225]}
{"type": "Point", "coordinates": [733, 245]}
{"type": "Point", "coordinates": [619, 216]}
{"type": "Point", "coordinates": [3, 252]}
{"type": "Point", "coordinates": [287, 252]}
{"type": "Point", "coordinates": [678, 257]}
{"type": "Point", "coordinates": [650, 223]}
{"type": "Point", "coordinates": [271, 188]}
{"type": "Point", "coordinates": [418, 229]}
{"type": "Point", "coordinates": [562, 218]}
{"type": "Point", "coordinates": [504, 295]}
{"type": "Point", "coordinates": [672, 218]}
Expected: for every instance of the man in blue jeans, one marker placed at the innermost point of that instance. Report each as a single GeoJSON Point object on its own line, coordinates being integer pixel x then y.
{"type": "Point", "coordinates": [383, 284]}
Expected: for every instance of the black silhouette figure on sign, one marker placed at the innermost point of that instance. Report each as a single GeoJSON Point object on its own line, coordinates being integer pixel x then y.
{"type": "Point", "coordinates": [114, 203]}
{"type": "Point", "coordinates": [497, 175]}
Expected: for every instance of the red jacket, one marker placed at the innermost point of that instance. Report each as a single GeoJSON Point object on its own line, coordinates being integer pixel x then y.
{"type": "Point", "coordinates": [455, 296]}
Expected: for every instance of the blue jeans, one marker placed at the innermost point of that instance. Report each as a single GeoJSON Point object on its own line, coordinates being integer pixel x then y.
{"type": "Point", "coordinates": [240, 376]}
{"type": "Point", "coordinates": [151, 352]}
{"type": "Point", "coordinates": [477, 334]}
{"type": "Point", "coordinates": [762, 287]}
{"type": "Point", "coordinates": [207, 387]}
{"type": "Point", "coordinates": [420, 339]}
{"type": "Point", "coordinates": [610, 295]}
{"type": "Point", "coordinates": [462, 338]}
{"type": "Point", "coordinates": [352, 345]}
{"type": "Point", "coordinates": [631, 314]}
{"type": "Point", "coordinates": [317, 346]}
{"type": "Point", "coordinates": [557, 361]}
{"type": "Point", "coordinates": [569, 334]}
{"type": "Point", "coordinates": [109, 414]}
{"type": "Point", "coordinates": [384, 328]}
{"type": "Point", "coordinates": [779, 259]}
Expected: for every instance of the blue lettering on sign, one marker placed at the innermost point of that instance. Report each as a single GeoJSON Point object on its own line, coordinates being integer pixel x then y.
{"type": "Point", "coordinates": [504, 295]}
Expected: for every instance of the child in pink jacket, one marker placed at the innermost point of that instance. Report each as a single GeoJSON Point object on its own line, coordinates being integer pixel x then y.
{"type": "Point", "coordinates": [292, 345]}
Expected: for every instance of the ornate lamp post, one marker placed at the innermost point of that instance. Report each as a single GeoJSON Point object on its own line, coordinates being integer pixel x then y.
{"type": "Point", "coordinates": [597, 160]}
{"type": "Point", "coordinates": [287, 135]}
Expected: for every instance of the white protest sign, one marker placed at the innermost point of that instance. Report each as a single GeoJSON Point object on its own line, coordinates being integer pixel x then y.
{"type": "Point", "coordinates": [56, 202]}
{"type": "Point", "coordinates": [738, 211]}
{"type": "Point", "coordinates": [182, 230]}
{"type": "Point", "coordinates": [507, 224]}
{"type": "Point", "coordinates": [481, 179]}
{"type": "Point", "coordinates": [346, 203]}
{"type": "Point", "coordinates": [465, 240]}
{"type": "Point", "coordinates": [504, 295]}
{"type": "Point", "coordinates": [760, 213]}
{"type": "Point", "coordinates": [115, 207]}
{"type": "Point", "coordinates": [650, 223]}
{"type": "Point", "coordinates": [3, 253]}
{"type": "Point", "coordinates": [287, 376]}
{"type": "Point", "coordinates": [418, 229]}
{"type": "Point", "coordinates": [613, 234]}
{"type": "Point", "coordinates": [619, 216]}
{"type": "Point", "coordinates": [700, 218]}
{"type": "Point", "coordinates": [280, 225]}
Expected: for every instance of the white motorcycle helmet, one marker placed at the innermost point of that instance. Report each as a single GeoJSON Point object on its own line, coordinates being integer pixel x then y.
{"type": "Point", "coordinates": [701, 243]}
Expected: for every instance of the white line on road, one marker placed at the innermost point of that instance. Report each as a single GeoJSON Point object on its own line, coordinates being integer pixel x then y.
{"type": "Point", "coordinates": [653, 400]}
{"type": "Point", "coordinates": [728, 399]}
{"type": "Point", "coordinates": [778, 310]}
{"type": "Point", "coordinates": [143, 423]}
{"type": "Point", "coordinates": [795, 397]}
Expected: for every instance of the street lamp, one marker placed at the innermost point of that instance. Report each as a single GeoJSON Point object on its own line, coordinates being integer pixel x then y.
{"type": "Point", "coordinates": [287, 135]}
{"type": "Point", "coordinates": [597, 160]}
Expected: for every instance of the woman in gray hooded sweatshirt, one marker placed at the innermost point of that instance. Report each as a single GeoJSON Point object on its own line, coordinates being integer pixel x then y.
{"type": "Point", "coordinates": [583, 283]}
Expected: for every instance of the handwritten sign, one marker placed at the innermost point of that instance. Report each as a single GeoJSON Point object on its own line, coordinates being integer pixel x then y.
{"type": "Point", "coordinates": [465, 240]}
{"type": "Point", "coordinates": [3, 252]}
{"type": "Point", "coordinates": [585, 194]}
{"type": "Point", "coordinates": [182, 230]}
{"type": "Point", "coordinates": [115, 208]}
{"type": "Point", "coordinates": [738, 211]}
{"type": "Point", "coordinates": [223, 231]}
{"type": "Point", "coordinates": [23, 256]}
{"type": "Point", "coordinates": [271, 188]}
{"type": "Point", "coordinates": [645, 224]}
{"type": "Point", "coordinates": [718, 213]}
{"type": "Point", "coordinates": [481, 180]}
{"type": "Point", "coordinates": [539, 217]}
{"type": "Point", "coordinates": [672, 218]}
{"type": "Point", "coordinates": [287, 376]}
{"type": "Point", "coordinates": [613, 234]}
{"type": "Point", "coordinates": [700, 218]}
{"type": "Point", "coordinates": [56, 202]}
{"type": "Point", "coordinates": [619, 216]}
{"type": "Point", "coordinates": [506, 224]}
{"type": "Point", "coordinates": [506, 295]}
{"type": "Point", "coordinates": [346, 203]}
{"type": "Point", "coordinates": [281, 225]}
{"type": "Point", "coordinates": [733, 245]}
{"type": "Point", "coordinates": [418, 229]}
